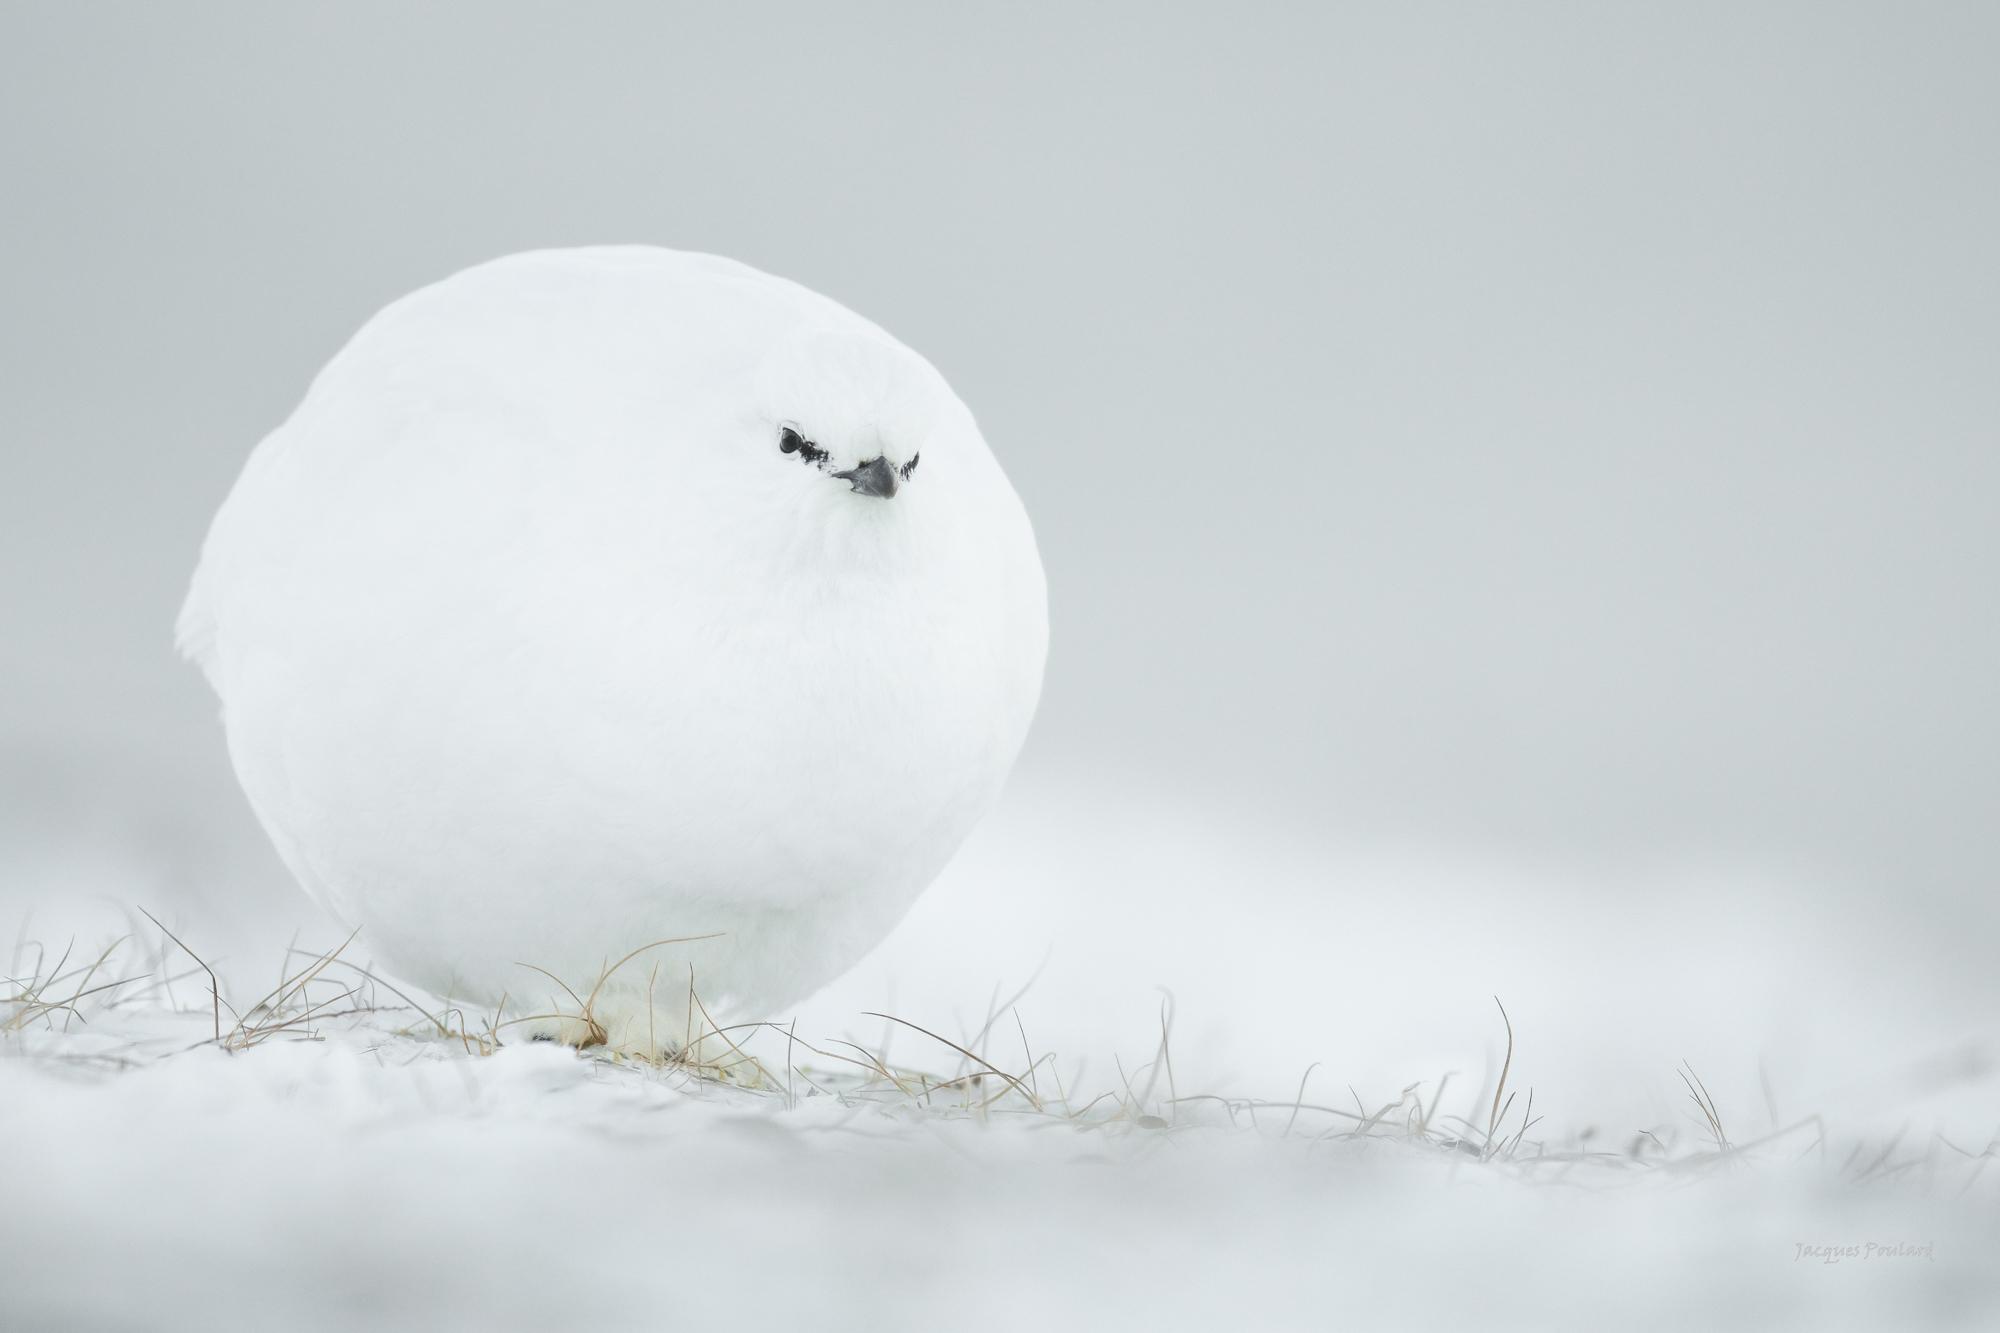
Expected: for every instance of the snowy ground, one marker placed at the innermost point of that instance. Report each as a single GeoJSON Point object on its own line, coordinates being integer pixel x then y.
{"type": "Point", "coordinates": [320, 1168]}
{"type": "Point", "coordinates": [366, 1179]}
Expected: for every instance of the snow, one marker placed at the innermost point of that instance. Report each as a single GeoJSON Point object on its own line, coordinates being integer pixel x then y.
{"type": "Point", "coordinates": [387, 1182]}
{"type": "Point", "coordinates": [359, 1170]}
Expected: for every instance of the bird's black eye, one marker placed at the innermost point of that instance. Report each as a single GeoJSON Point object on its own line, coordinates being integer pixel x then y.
{"type": "Point", "coordinates": [791, 442]}
{"type": "Point", "coordinates": [910, 466]}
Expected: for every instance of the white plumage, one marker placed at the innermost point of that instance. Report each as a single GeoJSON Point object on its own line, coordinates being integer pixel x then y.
{"type": "Point", "coordinates": [539, 638]}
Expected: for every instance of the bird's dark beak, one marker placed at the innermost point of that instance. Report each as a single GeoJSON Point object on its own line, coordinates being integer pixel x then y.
{"type": "Point", "coordinates": [874, 477]}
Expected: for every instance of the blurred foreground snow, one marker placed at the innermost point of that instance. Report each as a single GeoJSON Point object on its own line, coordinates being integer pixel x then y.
{"type": "Point", "coordinates": [353, 1171]}
{"type": "Point", "coordinates": [372, 1180]}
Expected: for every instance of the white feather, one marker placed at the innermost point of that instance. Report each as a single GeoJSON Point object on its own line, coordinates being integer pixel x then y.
{"type": "Point", "coordinates": [535, 648]}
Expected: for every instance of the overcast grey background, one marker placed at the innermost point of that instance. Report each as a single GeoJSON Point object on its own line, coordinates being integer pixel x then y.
{"type": "Point", "coordinates": [1563, 427]}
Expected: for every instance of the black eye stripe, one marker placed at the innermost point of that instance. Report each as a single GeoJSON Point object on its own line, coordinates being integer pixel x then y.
{"type": "Point", "coordinates": [791, 442]}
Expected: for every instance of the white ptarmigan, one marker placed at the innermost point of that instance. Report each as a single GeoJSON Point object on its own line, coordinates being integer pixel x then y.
{"type": "Point", "coordinates": [599, 597]}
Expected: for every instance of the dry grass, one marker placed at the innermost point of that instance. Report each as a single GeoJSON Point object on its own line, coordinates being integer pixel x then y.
{"type": "Point", "coordinates": [38, 995]}
{"type": "Point", "coordinates": [978, 1075]}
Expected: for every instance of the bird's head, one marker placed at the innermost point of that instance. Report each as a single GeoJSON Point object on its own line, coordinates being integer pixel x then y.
{"type": "Point", "coordinates": [854, 411]}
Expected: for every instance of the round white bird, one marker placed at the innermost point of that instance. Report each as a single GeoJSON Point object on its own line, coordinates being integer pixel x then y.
{"type": "Point", "coordinates": [597, 598]}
